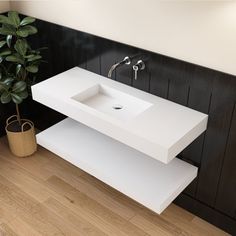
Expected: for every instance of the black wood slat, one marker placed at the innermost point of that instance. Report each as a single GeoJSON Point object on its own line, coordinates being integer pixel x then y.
{"type": "Point", "coordinates": [68, 48]}
{"type": "Point", "coordinates": [108, 57]}
{"type": "Point", "coordinates": [201, 80]}
{"type": "Point", "coordinates": [80, 52]}
{"type": "Point", "coordinates": [93, 54]}
{"type": "Point", "coordinates": [178, 74]}
{"type": "Point", "coordinates": [6, 110]}
{"type": "Point", "coordinates": [220, 114]}
{"type": "Point", "coordinates": [226, 197]}
{"type": "Point", "coordinates": [191, 188]}
{"type": "Point", "coordinates": [46, 68]}
{"type": "Point", "coordinates": [3, 116]}
{"type": "Point", "coordinates": [55, 48]}
{"type": "Point", "coordinates": [159, 82]}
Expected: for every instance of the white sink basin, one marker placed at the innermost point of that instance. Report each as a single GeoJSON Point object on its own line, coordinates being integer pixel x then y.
{"type": "Point", "coordinates": [157, 127]}
{"type": "Point", "coordinates": [112, 102]}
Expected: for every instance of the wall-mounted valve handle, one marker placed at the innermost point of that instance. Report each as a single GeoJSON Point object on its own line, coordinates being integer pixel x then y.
{"type": "Point", "coordinates": [140, 65]}
{"type": "Point", "coordinates": [135, 68]}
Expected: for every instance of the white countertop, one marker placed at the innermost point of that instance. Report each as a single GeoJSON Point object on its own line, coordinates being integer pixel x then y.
{"type": "Point", "coordinates": [161, 131]}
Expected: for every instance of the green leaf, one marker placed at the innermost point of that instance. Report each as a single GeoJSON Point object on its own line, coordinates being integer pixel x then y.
{"type": "Point", "coordinates": [7, 29]}
{"type": "Point", "coordinates": [32, 69]}
{"type": "Point", "coordinates": [34, 58]}
{"type": "Point", "coordinates": [29, 56]}
{"type": "Point", "coordinates": [4, 19]}
{"type": "Point", "coordinates": [23, 94]}
{"type": "Point", "coordinates": [9, 39]}
{"type": "Point", "coordinates": [18, 68]}
{"type": "Point", "coordinates": [31, 29]}
{"type": "Point", "coordinates": [2, 43]}
{"type": "Point", "coordinates": [21, 46]}
{"type": "Point", "coordinates": [35, 63]}
{"type": "Point", "coordinates": [26, 30]}
{"type": "Point", "coordinates": [5, 85]}
{"type": "Point", "coordinates": [22, 33]}
{"type": "Point", "coordinates": [13, 18]}
{"type": "Point", "coordinates": [27, 20]}
{"type": "Point", "coordinates": [19, 86]}
{"type": "Point", "coordinates": [1, 59]}
{"type": "Point", "coordinates": [7, 82]}
{"type": "Point", "coordinates": [15, 58]}
{"type": "Point", "coordinates": [5, 52]}
{"type": "Point", "coordinates": [5, 97]}
{"type": "Point", "coordinates": [16, 98]}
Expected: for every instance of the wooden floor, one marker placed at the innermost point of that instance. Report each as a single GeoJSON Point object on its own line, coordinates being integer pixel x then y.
{"type": "Point", "coordinates": [45, 195]}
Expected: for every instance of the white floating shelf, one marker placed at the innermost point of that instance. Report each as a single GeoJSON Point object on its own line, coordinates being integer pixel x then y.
{"type": "Point", "coordinates": [144, 179]}
{"type": "Point", "coordinates": [155, 126]}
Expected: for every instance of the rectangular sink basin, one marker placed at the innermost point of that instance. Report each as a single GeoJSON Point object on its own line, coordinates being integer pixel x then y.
{"type": "Point", "coordinates": [112, 102]}
{"type": "Point", "coordinates": [152, 125]}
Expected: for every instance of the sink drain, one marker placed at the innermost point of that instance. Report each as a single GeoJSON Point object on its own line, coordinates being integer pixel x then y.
{"type": "Point", "coordinates": [117, 107]}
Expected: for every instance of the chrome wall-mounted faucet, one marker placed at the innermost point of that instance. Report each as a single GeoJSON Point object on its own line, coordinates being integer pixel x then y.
{"type": "Point", "coordinates": [125, 61]}
{"type": "Point", "coordinates": [140, 65]}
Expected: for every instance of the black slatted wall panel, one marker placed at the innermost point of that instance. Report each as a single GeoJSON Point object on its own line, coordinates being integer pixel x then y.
{"type": "Point", "coordinates": [213, 194]}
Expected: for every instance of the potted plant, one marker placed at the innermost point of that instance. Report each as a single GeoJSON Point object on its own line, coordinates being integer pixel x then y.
{"type": "Point", "coordinates": [18, 65]}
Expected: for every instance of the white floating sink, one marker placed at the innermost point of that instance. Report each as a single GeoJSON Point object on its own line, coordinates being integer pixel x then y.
{"type": "Point", "coordinates": [155, 126]}
{"type": "Point", "coordinates": [112, 102]}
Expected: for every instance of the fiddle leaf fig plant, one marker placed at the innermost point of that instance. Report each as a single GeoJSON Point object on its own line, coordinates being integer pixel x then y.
{"type": "Point", "coordinates": [19, 63]}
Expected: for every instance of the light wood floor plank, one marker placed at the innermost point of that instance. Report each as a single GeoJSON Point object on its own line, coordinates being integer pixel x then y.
{"type": "Point", "coordinates": [104, 199]}
{"type": "Point", "coordinates": [6, 215]}
{"type": "Point", "coordinates": [82, 201]}
{"type": "Point", "coordinates": [149, 227]}
{"type": "Point", "coordinates": [24, 180]}
{"type": "Point", "coordinates": [44, 195]}
{"type": "Point", "coordinates": [22, 228]}
{"type": "Point", "coordinates": [75, 220]}
{"type": "Point", "coordinates": [209, 229]}
{"type": "Point", "coordinates": [31, 164]}
{"type": "Point", "coordinates": [31, 211]}
{"type": "Point", "coordinates": [5, 230]}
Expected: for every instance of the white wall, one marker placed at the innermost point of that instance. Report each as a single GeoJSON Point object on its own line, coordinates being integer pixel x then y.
{"type": "Point", "coordinates": [201, 32]}
{"type": "Point", "coordinates": [4, 6]}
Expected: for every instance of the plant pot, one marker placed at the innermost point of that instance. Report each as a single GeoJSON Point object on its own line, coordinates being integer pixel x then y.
{"type": "Point", "coordinates": [22, 142]}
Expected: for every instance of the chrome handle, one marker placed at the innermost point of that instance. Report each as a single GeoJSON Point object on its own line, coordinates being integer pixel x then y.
{"type": "Point", "coordinates": [140, 65]}
{"type": "Point", "coordinates": [135, 68]}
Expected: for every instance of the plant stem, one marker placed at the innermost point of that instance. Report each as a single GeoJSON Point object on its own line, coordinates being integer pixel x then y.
{"type": "Point", "coordinates": [18, 114]}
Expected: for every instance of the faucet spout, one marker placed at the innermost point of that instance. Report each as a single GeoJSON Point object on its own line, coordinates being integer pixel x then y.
{"type": "Point", "coordinates": [126, 61]}
{"type": "Point", "coordinates": [113, 68]}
